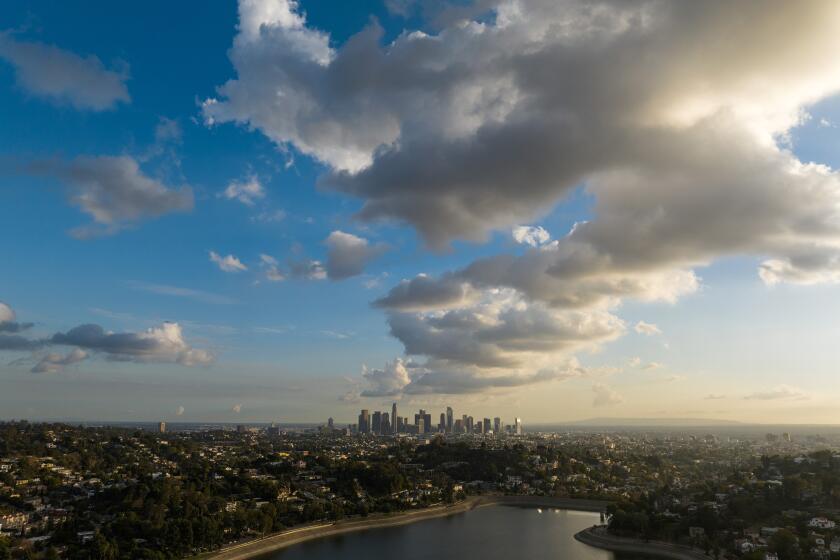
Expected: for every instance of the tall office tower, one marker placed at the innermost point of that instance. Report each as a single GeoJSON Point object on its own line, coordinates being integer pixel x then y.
{"type": "Point", "coordinates": [449, 417]}
{"type": "Point", "coordinates": [470, 424]}
{"type": "Point", "coordinates": [400, 424]}
{"type": "Point", "coordinates": [497, 425]}
{"type": "Point", "coordinates": [487, 427]}
{"type": "Point", "coordinates": [421, 424]}
{"type": "Point", "coordinates": [330, 423]}
{"type": "Point", "coordinates": [518, 427]}
{"type": "Point", "coordinates": [459, 426]}
{"type": "Point", "coordinates": [162, 427]}
{"type": "Point", "coordinates": [385, 427]}
{"type": "Point", "coordinates": [394, 418]}
{"type": "Point", "coordinates": [464, 423]}
{"type": "Point", "coordinates": [442, 423]}
{"type": "Point", "coordinates": [418, 416]}
{"type": "Point", "coordinates": [376, 427]}
{"type": "Point", "coordinates": [364, 421]}
{"type": "Point", "coordinates": [427, 422]}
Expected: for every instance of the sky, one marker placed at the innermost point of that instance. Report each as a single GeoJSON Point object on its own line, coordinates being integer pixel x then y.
{"type": "Point", "coordinates": [286, 211]}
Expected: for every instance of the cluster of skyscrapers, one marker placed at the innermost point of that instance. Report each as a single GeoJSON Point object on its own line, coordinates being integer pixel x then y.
{"type": "Point", "coordinates": [383, 423]}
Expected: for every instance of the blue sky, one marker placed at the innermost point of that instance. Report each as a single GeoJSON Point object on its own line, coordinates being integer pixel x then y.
{"type": "Point", "coordinates": [731, 345]}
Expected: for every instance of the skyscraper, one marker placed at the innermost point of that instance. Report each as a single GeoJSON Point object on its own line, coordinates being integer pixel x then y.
{"type": "Point", "coordinates": [449, 419]}
{"type": "Point", "coordinates": [330, 423]}
{"type": "Point", "coordinates": [517, 429]}
{"type": "Point", "coordinates": [376, 427]}
{"type": "Point", "coordinates": [364, 421]}
{"type": "Point", "coordinates": [385, 427]}
{"type": "Point", "coordinates": [395, 418]}
{"type": "Point", "coordinates": [497, 425]}
{"type": "Point", "coordinates": [162, 427]}
{"type": "Point", "coordinates": [442, 423]}
{"type": "Point", "coordinates": [486, 427]}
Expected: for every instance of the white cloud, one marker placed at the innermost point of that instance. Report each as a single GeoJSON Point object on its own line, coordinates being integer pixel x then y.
{"type": "Point", "coordinates": [779, 392]}
{"type": "Point", "coordinates": [387, 382]}
{"type": "Point", "coordinates": [348, 254]}
{"type": "Point", "coordinates": [246, 192]}
{"type": "Point", "coordinates": [7, 314]}
{"type": "Point", "coordinates": [237, 408]}
{"type": "Point", "coordinates": [271, 268]}
{"type": "Point", "coordinates": [714, 397]}
{"type": "Point", "coordinates": [114, 191]}
{"type": "Point", "coordinates": [605, 395]}
{"type": "Point", "coordinates": [529, 235]}
{"type": "Point", "coordinates": [652, 365]}
{"type": "Point", "coordinates": [55, 363]}
{"type": "Point", "coordinates": [164, 343]}
{"type": "Point", "coordinates": [64, 77]}
{"type": "Point", "coordinates": [229, 263]}
{"type": "Point", "coordinates": [647, 329]}
{"type": "Point", "coordinates": [179, 411]}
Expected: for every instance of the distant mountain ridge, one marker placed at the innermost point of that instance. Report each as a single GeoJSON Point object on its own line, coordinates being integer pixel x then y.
{"type": "Point", "coordinates": [635, 422]}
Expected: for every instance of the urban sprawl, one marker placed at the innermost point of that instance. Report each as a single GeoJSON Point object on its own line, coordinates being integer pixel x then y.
{"type": "Point", "coordinates": [166, 492]}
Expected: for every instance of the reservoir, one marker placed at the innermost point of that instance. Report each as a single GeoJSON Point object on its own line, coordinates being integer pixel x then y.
{"type": "Point", "coordinates": [487, 533]}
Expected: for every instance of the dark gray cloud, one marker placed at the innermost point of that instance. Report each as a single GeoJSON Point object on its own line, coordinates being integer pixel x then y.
{"type": "Point", "coordinates": [348, 254]}
{"type": "Point", "coordinates": [114, 191]}
{"type": "Point", "coordinates": [64, 77]}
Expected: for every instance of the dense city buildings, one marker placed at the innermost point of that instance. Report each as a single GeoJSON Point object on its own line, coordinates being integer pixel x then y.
{"type": "Point", "coordinates": [80, 492]}
{"type": "Point", "coordinates": [380, 423]}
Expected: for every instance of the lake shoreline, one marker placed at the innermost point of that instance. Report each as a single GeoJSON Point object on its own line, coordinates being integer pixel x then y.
{"type": "Point", "coordinates": [278, 541]}
{"type": "Point", "coordinates": [599, 538]}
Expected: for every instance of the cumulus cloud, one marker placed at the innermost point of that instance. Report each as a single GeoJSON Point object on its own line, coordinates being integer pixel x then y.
{"type": "Point", "coordinates": [229, 263]}
{"type": "Point", "coordinates": [779, 392]}
{"type": "Point", "coordinates": [158, 344]}
{"type": "Point", "coordinates": [530, 235]}
{"type": "Point", "coordinates": [476, 127]}
{"type": "Point", "coordinates": [605, 395]}
{"type": "Point", "coordinates": [422, 127]}
{"type": "Point", "coordinates": [348, 254]}
{"type": "Point", "coordinates": [64, 77]}
{"type": "Point", "coordinates": [714, 397]}
{"type": "Point", "coordinates": [246, 192]}
{"type": "Point", "coordinates": [114, 191]}
{"type": "Point", "coordinates": [386, 382]}
{"type": "Point", "coordinates": [647, 329]}
{"type": "Point", "coordinates": [55, 363]}
{"type": "Point", "coordinates": [8, 323]}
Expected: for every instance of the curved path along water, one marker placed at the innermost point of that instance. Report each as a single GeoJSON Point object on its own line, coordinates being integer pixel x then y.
{"type": "Point", "coordinates": [598, 537]}
{"type": "Point", "coordinates": [306, 533]}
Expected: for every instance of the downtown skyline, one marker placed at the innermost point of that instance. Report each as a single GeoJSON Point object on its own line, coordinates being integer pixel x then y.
{"type": "Point", "coordinates": [288, 211]}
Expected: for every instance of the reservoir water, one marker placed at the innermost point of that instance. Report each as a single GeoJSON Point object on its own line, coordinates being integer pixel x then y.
{"type": "Point", "coordinates": [489, 533]}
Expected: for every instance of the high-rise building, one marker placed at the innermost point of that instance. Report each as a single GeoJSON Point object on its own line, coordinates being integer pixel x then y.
{"type": "Point", "coordinates": [364, 421]}
{"type": "Point", "coordinates": [470, 425]}
{"type": "Point", "coordinates": [162, 427]}
{"type": "Point", "coordinates": [376, 426]}
{"type": "Point", "coordinates": [420, 424]}
{"type": "Point", "coordinates": [395, 418]}
{"type": "Point", "coordinates": [442, 423]}
{"type": "Point", "coordinates": [385, 427]}
{"type": "Point", "coordinates": [497, 425]}
{"type": "Point", "coordinates": [459, 426]}
{"type": "Point", "coordinates": [449, 419]}
{"type": "Point", "coordinates": [486, 426]}
{"type": "Point", "coordinates": [330, 423]}
{"type": "Point", "coordinates": [517, 429]}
